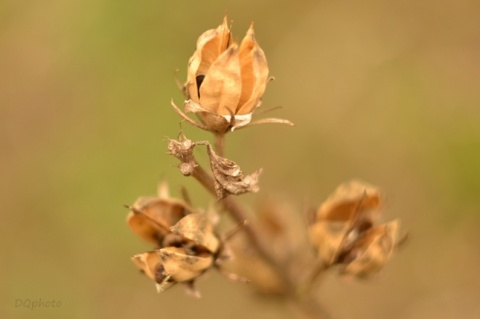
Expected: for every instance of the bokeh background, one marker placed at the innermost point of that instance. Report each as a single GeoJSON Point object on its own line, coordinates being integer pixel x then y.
{"type": "Point", "coordinates": [383, 91]}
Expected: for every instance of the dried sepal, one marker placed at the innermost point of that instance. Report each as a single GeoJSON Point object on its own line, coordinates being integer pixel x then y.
{"type": "Point", "coordinates": [270, 120]}
{"type": "Point", "coordinates": [229, 178]}
{"type": "Point", "coordinates": [186, 118]}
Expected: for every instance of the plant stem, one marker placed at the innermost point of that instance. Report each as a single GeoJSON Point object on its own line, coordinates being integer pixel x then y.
{"type": "Point", "coordinates": [308, 306]}
{"type": "Point", "coordinates": [219, 143]}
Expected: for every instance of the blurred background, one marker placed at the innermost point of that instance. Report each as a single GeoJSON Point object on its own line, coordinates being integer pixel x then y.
{"type": "Point", "coordinates": [387, 92]}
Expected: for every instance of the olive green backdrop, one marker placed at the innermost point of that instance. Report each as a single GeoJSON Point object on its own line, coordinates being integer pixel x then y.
{"type": "Point", "coordinates": [384, 91]}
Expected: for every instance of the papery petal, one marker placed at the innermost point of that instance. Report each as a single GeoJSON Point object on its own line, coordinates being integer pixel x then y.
{"type": "Point", "coordinates": [209, 46]}
{"type": "Point", "coordinates": [222, 85]}
{"type": "Point", "coordinates": [254, 73]}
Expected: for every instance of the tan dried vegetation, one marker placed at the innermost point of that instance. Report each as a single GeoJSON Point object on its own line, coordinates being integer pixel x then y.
{"type": "Point", "coordinates": [224, 87]}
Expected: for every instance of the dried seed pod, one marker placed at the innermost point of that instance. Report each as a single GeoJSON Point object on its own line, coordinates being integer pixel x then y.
{"type": "Point", "coordinates": [371, 252]}
{"type": "Point", "coordinates": [181, 266]}
{"type": "Point", "coordinates": [225, 81]}
{"type": "Point", "coordinates": [171, 265]}
{"type": "Point", "coordinates": [328, 237]}
{"type": "Point", "coordinates": [151, 217]}
{"type": "Point", "coordinates": [197, 228]}
{"type": "Point", "coordinates": [188, 248]}
{"type": "Point", "coordinates": [349, 211]}
{"type": "Point", "coordinates": [146, 262]}
{"type": "Point", "coordinates": [350, 200]}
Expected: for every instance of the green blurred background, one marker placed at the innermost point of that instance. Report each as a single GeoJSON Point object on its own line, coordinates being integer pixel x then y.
{"type": "Point", "coordinates": [384, 91]}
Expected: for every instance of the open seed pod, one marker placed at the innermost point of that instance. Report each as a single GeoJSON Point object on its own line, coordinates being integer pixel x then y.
{"type": "Point", "coordinates": [186, 250]}
{"type": "Point", "coordinates": [151, 217]}
{"type": "Point", "coordinates": [171, 265]}
{"type": "Point", "coordinates": [183, 267]}
{"type": "Point", "coordinates": [225, 80]}
{"type": "Point", "coordinates": [197, 228]}
{"type": "Point", "coordinates": [350, 210]}
{"type": "Point", "coordinates": [371, 252]}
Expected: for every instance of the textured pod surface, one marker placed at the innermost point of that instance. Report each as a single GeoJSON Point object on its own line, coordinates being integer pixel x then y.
{"type": "Point", "coordinates": [182, 267]}
{"type": "Point", "coordinates": [198, 229]}
{"type": "Point", "coordinates": [152, 216]}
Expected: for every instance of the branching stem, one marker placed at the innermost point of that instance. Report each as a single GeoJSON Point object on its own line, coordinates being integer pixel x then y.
{"type": "Point", "coordinates": [306, 304]}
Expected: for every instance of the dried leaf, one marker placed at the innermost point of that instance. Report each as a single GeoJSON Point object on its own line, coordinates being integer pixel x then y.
{"type": "Point", "coordinates": [229, 178]}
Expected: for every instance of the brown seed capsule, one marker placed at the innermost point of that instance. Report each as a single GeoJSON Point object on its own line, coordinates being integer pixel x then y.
{"type": "Point", "coordinates": [349, 211]}
{"type": "Point", "coordinates": [150, 217]}
{"type": "Point", "coordinates": [181, 266]}
{"type": "Point", "coordinates": [197, 228]}
{"type": "Point", "coordinates": [187, 249]}
{"type": "Point", "coordinates": [225, 81]}
{"type": "Point", "coordinates": [371, 252]}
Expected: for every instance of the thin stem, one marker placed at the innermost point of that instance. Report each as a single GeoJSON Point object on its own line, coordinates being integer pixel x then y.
{"type": "Point", "coordinates": [220, 144]}
{"type": "Point", "coordinates": [204, 178]}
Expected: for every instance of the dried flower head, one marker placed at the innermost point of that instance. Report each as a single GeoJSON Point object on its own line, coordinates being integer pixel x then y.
{"type": "Point", "coordinates": [186, 242]}
{"type": "Point", "coordinates": [150, 217]}
{"type": "Point", "coordinates": [344, 230]}
{"type": "Point", "coordinates": [225, 81]}
{"type": "Point", "coordinates": [371, 251]}
{"type": "Point", "coordinates": [352, 207]}
{"type": "Point", "coordinates": [188, 250]}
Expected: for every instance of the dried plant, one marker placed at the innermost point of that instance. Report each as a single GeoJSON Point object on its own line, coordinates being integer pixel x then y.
{"type": "Point", "coordinates": [225, 84]}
